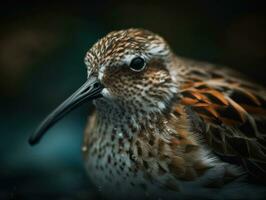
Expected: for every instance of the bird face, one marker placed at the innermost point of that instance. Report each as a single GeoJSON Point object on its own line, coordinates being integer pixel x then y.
{"type": "Point", "coordinates": [133, 67]}
{"type": "Point", "coordinates": [129, 68]}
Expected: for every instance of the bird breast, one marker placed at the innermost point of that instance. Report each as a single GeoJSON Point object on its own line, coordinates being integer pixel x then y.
{"type": "Point", "coordinates": [157, 154]}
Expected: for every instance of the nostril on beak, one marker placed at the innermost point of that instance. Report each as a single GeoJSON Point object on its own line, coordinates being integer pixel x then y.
{"type": "Point", "coordinates": [86, 89]}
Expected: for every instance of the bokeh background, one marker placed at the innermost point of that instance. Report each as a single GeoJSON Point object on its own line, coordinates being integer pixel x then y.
{"type": "Point", "coordinates": [42, 46]}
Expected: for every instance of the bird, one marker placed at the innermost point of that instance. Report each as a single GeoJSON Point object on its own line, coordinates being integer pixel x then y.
{"type": "Point", "coordinates": [167, 127]}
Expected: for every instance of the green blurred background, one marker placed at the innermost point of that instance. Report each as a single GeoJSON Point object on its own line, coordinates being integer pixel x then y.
{"type": "Point", "coordinates": [42, 46]}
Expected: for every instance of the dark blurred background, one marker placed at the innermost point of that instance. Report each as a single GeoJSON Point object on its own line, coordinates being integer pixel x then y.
{"type": "Point", "coordinates": [42, 46]}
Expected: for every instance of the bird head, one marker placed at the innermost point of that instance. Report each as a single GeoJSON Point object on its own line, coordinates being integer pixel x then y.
{"type": "Point", "coordinates": [133, 66]}
{"type": "Point", "coordinates": [127, 68]}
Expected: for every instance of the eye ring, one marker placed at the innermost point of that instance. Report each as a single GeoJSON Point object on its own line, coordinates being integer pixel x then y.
{"type": "Point", "coordinates": [137, 64]}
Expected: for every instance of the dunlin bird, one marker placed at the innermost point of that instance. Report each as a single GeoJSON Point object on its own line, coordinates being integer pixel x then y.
{"type": "Point", "coordinates": [165, 126]}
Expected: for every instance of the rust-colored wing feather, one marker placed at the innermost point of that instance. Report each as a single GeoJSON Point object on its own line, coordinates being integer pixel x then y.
{"type": "Point", "coordinates": [233, 113]}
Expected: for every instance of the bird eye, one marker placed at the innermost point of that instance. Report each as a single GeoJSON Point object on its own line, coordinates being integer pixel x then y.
{"type": "Point", "coordinates": [137, 64]}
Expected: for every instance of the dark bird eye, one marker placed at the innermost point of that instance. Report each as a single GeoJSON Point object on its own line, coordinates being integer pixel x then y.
{"type": "Point", "coordinates": [137, 64]}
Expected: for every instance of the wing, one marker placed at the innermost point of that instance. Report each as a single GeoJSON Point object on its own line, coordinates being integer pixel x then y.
{"type": "Point", "coordinates": [233, 113]}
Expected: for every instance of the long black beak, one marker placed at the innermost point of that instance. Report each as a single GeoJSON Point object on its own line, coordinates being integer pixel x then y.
{"type": "Point", "coordinates": [89, 90]}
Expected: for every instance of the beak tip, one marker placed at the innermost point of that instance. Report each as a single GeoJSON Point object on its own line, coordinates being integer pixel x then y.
{"type": "Point", "coordinates": [32, 141]}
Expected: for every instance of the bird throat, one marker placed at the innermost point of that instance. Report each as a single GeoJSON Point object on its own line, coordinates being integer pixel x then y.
{"type": "Point", "coordinates": [128, 116]}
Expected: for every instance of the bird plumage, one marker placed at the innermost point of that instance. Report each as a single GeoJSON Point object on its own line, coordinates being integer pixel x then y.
{"type": "Point", "coordinates": [233, 111]}
{"type": "Point", "coordinates": [178, 122]}
{"type": "Point", "coordinates": [165, 126]}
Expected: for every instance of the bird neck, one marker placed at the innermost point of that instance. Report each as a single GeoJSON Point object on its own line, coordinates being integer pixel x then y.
{"type": "Point", "coordinates": [120, 114]}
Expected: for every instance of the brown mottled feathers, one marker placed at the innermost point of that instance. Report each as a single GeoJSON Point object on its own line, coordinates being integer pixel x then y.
{"type": "Point", "coordinates": [233, 113]}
